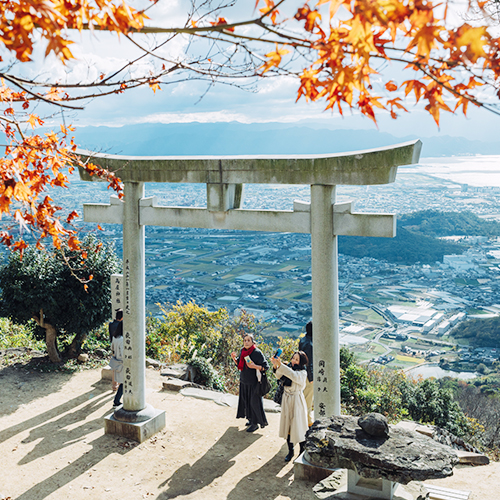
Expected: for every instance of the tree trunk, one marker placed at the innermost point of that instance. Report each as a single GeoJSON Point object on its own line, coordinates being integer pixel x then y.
{"type": "Point", "coordinates": [50, 338]}
{"type": "Point", "coordinates": [75, 348]}
{"type": "Point", "coordinates": [51, 342]}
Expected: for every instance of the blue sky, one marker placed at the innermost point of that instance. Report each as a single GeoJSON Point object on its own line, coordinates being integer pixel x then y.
{"type": "Point", "coordinates": [272, 101]}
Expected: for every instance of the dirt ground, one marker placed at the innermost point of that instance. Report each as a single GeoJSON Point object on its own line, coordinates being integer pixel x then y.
{"type": "Point", "coordinates": [53, 446]}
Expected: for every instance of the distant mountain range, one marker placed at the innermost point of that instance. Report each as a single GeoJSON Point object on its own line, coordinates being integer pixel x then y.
{"type": "Point", "coordinates": [272, 138]}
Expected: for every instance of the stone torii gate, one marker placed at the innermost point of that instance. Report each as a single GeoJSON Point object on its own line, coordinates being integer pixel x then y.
{"type": "Point", "coordinates": [224, 177]}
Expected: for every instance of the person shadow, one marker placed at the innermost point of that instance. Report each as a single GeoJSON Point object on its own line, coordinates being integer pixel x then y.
{"type": "Point", "coordinates": [272, 480]}
{"type": "Point", "coordinates": [213, 464]}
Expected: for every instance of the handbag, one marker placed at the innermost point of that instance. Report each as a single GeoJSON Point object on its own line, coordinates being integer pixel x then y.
{"type": "Point", "coordinates": [264, 385]}
{"type": "Point", "coordinates": [278, 395]}
{"type": "Point", "coordinates": [115, 364]}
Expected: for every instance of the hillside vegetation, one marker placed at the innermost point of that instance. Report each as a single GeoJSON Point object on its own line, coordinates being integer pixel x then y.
{"type": "Point", "coordinates": [480, 332]}
{"type": "Point", "coordinates": [439, 224]}
{"type": "Point", "coordinates": [417, 238]}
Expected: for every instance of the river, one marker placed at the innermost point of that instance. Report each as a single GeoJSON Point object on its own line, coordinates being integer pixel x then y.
{"type": "Point", "coordinates": [428, 371]}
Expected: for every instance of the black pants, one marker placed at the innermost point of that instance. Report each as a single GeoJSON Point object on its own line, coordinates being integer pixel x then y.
{"type": "Point", "coordinates": [118, 395]}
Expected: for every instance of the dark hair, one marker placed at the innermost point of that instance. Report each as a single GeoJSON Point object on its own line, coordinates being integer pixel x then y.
{"type": "Point", "coordinates": [309, 329]}
{"type": "Point", "coordinates": [119, 314]}
{"type": "Point", "coordinates": [304, 360]}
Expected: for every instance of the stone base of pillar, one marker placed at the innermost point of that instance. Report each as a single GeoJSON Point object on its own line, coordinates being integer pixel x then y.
{"type": "Point", "coordinates": [137, 431]}
{"type": "Point", "coordinates": [106, 373]}
{"type": "Point", "coordinates": [339, 487]}
{"type": "Point", "coordinates": [373, 488]}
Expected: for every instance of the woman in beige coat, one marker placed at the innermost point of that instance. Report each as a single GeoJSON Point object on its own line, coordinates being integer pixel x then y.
{"type": "Point", "coordinates": [293, 421]}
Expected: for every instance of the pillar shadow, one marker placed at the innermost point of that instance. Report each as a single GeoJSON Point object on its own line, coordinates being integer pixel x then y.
{"type": "Point", "coordinates": [216, 461]}
{"type": "Point", "coordinates": [20, 376]}
{"type": "Point", "coordinates": [98, 390]}
{"type": "Point", "coordinates": [60, 433]}
{"type": "Point", "coordinates": [100, 450]}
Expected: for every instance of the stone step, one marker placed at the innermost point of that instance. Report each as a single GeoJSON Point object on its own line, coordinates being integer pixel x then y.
{"type": "Point", "coordinates": [174, 384]}
{"type": "Point", "coordinates": [440, 493]}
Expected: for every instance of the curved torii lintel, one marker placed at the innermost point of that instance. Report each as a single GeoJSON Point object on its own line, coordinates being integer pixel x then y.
{"type": "Point", "coordinates": [367, 167]}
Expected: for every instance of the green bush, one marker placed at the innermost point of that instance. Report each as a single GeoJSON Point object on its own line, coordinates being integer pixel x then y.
{"type": "Point", "coordinates": [181, 327]}
{"type": "Point", "coordinates": [206, 374]}
{"type": "Point", "coordinates": [428, 402]}
{"type": "Point", "coordinates": [68, 292]}
{"type": "Point", "coordinates": [98, 338]}
{"type": "Point", "coordinates": [15, 335]}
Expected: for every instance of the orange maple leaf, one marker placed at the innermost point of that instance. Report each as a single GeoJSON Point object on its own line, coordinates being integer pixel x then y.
{"type": "Point", "coordinates": [274, 58]}
{"type": "Point", "coordinates": [155, 85]}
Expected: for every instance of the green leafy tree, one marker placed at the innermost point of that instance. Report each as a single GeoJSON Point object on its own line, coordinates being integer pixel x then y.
{"type": "Point", "coordinates": [65, 294]}
{"type": "Point", "coordinates": [428, 402]}
{"type": "Point", "coordinates": [185, 331]}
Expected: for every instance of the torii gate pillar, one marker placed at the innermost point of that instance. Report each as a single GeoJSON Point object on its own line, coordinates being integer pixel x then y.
{"type": "Point", "coordinates": [325, 302]}
{"type": "Point", "coordinates": [135, 419]}
{"type": "Point", "coordinates": [134, 316]}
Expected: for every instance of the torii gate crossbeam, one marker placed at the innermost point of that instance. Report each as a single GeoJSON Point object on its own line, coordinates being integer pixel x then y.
{"type": "Point", "coordinates": [224, 176]}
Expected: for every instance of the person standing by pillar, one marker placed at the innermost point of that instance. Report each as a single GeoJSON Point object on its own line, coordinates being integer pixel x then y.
{"type": "Point", "coordinates": [306, 345]}
{"type": "Point", "coordinates": [116, 362]}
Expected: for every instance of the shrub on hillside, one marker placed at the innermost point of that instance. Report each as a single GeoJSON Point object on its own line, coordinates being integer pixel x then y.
{"type": "Point", "coordinates": [16, 335]}
{"type": "Point", "coordinates": [428, 402]}
{"type": "Point", "coordinates": [206, 374]}
{"type": "Point", "coordinates": [183, 327]}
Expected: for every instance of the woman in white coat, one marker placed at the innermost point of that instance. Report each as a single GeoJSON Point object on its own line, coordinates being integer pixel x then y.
{"type": "Point", "coordinates": [293, 421]}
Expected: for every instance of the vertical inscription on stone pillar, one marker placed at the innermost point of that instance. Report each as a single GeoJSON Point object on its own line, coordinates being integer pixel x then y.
{"type": "Point", "coordinates": [116, 292]}
{"type": "Point", "coordinates": [127, 383]}
{"type": "Point", "coordinates": [127, 287]}
{"type": "Point", "coordinates": [321, 384]}
{"type": "Point", "coordinates": [127, 354]}
{"type": "Point", "coordinates": [127, 337]}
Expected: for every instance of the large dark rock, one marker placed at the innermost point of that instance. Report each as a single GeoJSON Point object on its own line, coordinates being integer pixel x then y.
{"type": "Point", "coordinates": [374, 424]}
{"type": "Point", "coordinates": [402, 456]}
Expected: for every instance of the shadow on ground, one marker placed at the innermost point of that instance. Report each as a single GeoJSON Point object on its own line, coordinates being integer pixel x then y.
{"type": "Point", "coordinates": [271, 481]}
{"type": "Point", "coordinates": [54, 382]}
{"type": "Point", "coordinates": [101, 448]}
{"type": "Point", "coordinates": [21, 376]}
{"type": "Point", "coordinates": [62, 426]}
{"type": "Point", "coordinates": [215, 463]}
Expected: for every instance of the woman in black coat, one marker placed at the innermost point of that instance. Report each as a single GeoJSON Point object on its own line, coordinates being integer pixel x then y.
{"type": "Point", "coordinates": [250, 405]}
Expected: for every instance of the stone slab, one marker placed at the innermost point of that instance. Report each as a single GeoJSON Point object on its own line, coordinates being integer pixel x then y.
{"type": "Point", "coordinates": [106, 373]}
{"type": "Point", "coordinates": [470, 458]}
{"type": "Point", "coordinates": [415, 427]}
{"type": "Point", "coordinates": [174, 384]}
{"type": "Point", "coordinates": [139, 431]}
{"type": "Point", "coordinates": [375, 488]}
{"type": "Point", "coordinates": [224, 399]}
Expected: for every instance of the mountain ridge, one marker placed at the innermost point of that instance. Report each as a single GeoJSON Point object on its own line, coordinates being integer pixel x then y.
{"type": "Point", "coordinates": [233, 138]}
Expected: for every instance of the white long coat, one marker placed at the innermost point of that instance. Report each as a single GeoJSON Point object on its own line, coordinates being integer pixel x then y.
{"type": "Point", "coordinates": [293, 419]}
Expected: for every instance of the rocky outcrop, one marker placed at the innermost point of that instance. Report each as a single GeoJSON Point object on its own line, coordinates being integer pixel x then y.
{"type": "Point", "coordinates": [400, 456]}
